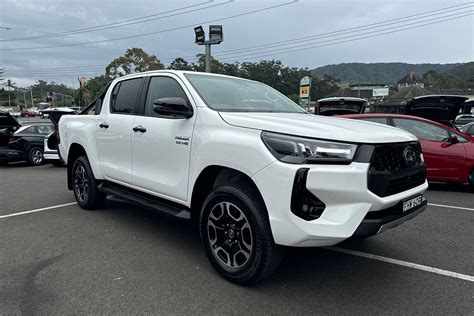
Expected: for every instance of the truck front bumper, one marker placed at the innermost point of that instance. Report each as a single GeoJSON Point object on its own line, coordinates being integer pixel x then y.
{"type": "Point", "coordinates": [349, 205]}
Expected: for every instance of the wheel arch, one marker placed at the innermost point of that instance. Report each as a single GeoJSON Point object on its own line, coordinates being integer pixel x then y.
{"type": "Point", "coordinates": [75, 151]}
{"type": "Point", "coordinates": [213, 176]}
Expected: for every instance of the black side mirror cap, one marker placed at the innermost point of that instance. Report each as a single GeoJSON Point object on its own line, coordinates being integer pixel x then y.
{"type": "Point", "coordinates": [454, 139]}
{"type": "Point", "coordinates": [174, 107]}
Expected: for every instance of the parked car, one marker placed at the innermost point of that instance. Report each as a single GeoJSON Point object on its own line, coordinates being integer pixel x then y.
{"type": "Point", "coordinates": [440, 108]}
{"type": "Point", "coordinates": [340, 105]}
{"type": "Point", "coordinates": [29, 112]}
{"type": "Point", "coordinates": [448, 153]}
{"type": "Point", "coordinates": [22, 143]}
{"type": "Point", "coordinates": [244, 163]}
{"type": "Point", "coordinates": [51, 141]}
{"type": "Point", "coordinates": [468, 129]}
{"type": "Point", "coordinates": [463, 119]}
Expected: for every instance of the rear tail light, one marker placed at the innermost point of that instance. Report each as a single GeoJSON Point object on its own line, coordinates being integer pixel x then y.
{"type": "Point", "coordinates": [303, 203]}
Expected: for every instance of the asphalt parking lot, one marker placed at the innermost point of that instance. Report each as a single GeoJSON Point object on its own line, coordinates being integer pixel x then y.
{"type": "Point", "coordinates": [127, 260]}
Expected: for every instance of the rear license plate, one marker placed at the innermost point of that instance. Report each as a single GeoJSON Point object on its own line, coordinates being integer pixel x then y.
{"type": "Point", "coordinates": [413, 203]}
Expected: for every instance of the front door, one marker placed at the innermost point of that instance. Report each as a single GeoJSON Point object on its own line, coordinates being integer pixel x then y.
{"type": "Point", "coordinates": [114, 131]}
{"type": "Point", "coordinates": [161, 148]}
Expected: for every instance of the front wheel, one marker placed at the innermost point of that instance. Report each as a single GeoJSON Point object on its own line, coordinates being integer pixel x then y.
{"type": "Point", "coordinates": [35, 156]}
{"type": "Point", "coordinates": [471, 180]}
{"type": "Point", "coordinates": [236, 234]}
{"type": "Point", "coordinates": [85, 185]}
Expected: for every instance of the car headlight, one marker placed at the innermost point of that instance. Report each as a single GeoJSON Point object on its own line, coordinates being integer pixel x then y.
{"type": "Point", "coordinates": [298, 150]}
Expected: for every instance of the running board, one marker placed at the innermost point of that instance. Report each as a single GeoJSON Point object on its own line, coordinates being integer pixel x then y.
{"type": "Point", "coordinates": [145, 200]}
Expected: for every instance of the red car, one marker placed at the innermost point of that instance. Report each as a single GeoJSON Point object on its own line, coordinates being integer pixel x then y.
{"type": "Point", "coordinates": [448, 153]}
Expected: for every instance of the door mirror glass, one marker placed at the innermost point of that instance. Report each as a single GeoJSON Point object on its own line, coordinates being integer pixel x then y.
{"type": "Point", "coordinates": [177, 107]}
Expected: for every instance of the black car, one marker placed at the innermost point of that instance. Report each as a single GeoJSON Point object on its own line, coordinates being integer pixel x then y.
{"type": "Point", "coordinates": [22, 142]}
{"type": "Point", "coordinates": [439, 108]}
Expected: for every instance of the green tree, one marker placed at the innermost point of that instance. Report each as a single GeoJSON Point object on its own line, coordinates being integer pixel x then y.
{"type": "Point", "coordinates": [180, 64]}
{"type": "Point", "coordinates": [91, 89]}
{"type": "Point", "coordinates": [327, 86]}
{"type": "Point", "coordinates": [134, 60]}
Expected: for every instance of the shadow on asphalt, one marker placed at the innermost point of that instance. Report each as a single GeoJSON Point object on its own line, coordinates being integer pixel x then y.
{"type": "Point", "coordinates": [301, 266]}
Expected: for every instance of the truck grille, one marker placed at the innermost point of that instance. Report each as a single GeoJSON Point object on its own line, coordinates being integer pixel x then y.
{"type": "Point", "coordinates": [396, 168]}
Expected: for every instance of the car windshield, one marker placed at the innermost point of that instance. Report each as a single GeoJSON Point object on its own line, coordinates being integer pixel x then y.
{"type": "Point", "coordinates": [240, 95]}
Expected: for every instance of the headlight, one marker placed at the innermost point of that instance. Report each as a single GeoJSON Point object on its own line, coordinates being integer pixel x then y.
{"type": "Point", "coordinates": [298, 150]}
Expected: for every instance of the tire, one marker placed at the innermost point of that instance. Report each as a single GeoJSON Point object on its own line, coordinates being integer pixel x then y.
{"type": "Point", "coordinates": [35, 156]}
{"type": "Point", "coordinates": [57, 163]}
{"type": "Point", "coordinates": [471, 179]}
{"type": "Point", "coordinates": [249, 242]}
{"type": "Point", "coordinates": [85, 185]}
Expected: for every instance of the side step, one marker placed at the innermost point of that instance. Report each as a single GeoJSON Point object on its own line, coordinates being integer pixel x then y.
{"type": "Point", "coordinates": [146, 200]}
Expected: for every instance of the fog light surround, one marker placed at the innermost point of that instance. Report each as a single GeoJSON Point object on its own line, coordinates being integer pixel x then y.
{"type": "Point", "coordinates": [303, 203]}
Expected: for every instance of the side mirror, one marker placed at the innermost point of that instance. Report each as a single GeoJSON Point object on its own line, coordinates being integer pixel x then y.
{"type": "Point", "coordinates": [454, 139]}
{"type": "Point", "coordinates": [176, 107]}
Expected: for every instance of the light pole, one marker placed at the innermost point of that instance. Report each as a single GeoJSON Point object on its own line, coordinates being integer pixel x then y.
{"type": "Point", "coordinates": [215, 37]}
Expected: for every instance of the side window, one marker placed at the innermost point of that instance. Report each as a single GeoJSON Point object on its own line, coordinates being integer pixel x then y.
{"type": "Point", "coordinates": [45, 129]}
{"type": "Point", "coordinates": [29, 130]}
{"type": "Point", "coordinates": [423, 130]}
{"type": "Point", "coordinates": [381, 120]}
{"type": "Point", "coordinates": [162, 87]}
{"type": "Point", "coordinates": [460, 138]}
{"type": "Point", "coordinates": [125, 97]}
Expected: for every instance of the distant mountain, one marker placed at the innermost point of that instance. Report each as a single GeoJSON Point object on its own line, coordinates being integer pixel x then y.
{"type": "Point", "coordinates": [388, 73]}
{"type": "Point", "coordinates": [463, 71]}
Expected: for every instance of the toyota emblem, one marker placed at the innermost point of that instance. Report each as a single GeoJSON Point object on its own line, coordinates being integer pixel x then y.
{"type": "Point", "coordinates": [410, 156]}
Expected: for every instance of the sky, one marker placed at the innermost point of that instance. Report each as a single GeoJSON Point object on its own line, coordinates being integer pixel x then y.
{"type": "Point", "coordinates": [300, 33]}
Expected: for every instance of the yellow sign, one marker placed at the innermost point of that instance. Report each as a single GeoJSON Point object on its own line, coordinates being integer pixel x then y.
{"type": "Point", "coordinates": [304, 91]}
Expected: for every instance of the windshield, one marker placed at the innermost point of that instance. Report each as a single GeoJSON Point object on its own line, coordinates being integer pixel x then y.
{"type": "Point", "coordinates": [239, 95]}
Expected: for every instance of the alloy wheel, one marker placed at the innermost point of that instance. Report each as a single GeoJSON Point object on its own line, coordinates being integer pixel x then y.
{"type": "Point", "coordinates": [37, 156]}
{"type": "Point", "coordinates": [229, 235]}
{"type": "Point", "coordinates": [81, 183]}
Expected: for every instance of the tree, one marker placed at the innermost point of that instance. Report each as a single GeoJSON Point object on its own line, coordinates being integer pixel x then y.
{"type": "Point", "coordinates": [180, 64]}
{"type": "Point", "coordinates": [91, 90]}
{"type": "Point", "coordinates": [134, 60]}
{"type": "Point", "coordinates": [216, 66]}
{"type": "Point", "coordinates": [328, 86]}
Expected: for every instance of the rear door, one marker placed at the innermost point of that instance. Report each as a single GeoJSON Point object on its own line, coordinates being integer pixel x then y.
{"type": "Point", "coordinates": [443, 159]}
{"type": "Point", "coordinates": [161, 151]}
{"type": "Point", "coordinates": [114, 130]}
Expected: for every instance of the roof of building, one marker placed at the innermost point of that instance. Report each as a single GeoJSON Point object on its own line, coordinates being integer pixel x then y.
{"type": "Point", "coordinates": [411, 78]}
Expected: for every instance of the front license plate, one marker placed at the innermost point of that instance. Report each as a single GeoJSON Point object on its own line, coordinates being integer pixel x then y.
{"type": "Point", "coordinates": [413, 202]}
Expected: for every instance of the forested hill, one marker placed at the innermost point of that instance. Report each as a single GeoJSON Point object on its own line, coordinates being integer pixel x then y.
{"type": "Point", "coordinates": [388, 73]}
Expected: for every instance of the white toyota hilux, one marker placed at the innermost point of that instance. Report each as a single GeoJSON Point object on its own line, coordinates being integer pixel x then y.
{"type": "Point", "coordinates": [244, 163]}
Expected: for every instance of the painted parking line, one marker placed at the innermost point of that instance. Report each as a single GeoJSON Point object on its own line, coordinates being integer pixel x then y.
{"type": "Point", "coordinates": [451, 206]}
{"type": "Point", "coordinates": [411, 265]}
{"type": "Point", "coordinates": [37, 210]}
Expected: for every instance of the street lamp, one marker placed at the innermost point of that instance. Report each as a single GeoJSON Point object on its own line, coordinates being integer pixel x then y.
{"type": "Point", "coordinates": [215, 37]}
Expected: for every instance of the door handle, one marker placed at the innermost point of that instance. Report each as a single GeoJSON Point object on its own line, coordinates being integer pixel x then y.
{"type": "Point", "coordinates": [104, 125]}
{"type": "Point", "coordinates": [139, 128]}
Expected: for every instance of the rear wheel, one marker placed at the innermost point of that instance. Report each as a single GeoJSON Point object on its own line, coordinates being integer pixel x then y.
{"type": "Point", "coordinates": [236, 234]}
{"type": "Point", "coordinates": [35, 156]}
{"type": "Point", "coordinates": [85, 185]}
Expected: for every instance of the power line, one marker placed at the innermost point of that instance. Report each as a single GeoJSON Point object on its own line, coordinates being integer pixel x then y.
{"type": "Point", "coordinates": [311, 42]}
{"type": "Point", "coordinates": [333, 41]}
{"type": "Point", "coordinates": [283, 51]}
{"type": "Point", "coordinates": [155, 32]}
{"type": "Point", "coordinates": [353, 29]}
{"type": "Point", "coordinates": [122, 23]}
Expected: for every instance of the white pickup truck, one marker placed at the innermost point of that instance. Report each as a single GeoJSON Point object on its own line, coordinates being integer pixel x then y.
{"type": "Point", "coordinates": [244, 163]}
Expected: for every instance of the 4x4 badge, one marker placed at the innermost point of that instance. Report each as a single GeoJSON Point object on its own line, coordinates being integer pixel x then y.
{"type": "Point", "coordinates": [182, 140]}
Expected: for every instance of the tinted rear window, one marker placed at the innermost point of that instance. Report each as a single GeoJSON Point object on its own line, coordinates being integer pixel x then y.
{"type": "Point", "coordinates": [126, 98]}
